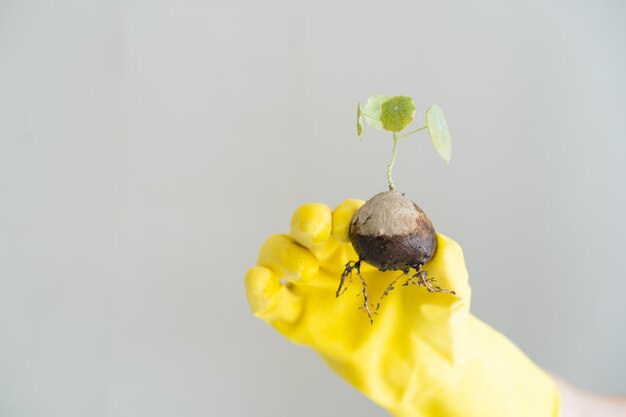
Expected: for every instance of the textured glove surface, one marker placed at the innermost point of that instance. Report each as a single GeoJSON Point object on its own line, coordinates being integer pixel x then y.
{"type": "Point", "coordinates": [424, 355]}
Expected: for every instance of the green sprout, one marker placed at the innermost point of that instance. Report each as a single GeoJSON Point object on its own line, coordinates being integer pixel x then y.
{"type": "Point", "coordinates": [395, 114]}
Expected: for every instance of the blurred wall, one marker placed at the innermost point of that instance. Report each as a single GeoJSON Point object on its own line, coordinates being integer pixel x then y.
{"type": "Point", "coordinates": [148, 147]}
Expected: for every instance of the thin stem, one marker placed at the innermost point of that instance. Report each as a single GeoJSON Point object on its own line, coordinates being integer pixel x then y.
{"type": "Point", "coordinates": [411, 132]}
{"type": "Point", "coordinates": [393, 159]}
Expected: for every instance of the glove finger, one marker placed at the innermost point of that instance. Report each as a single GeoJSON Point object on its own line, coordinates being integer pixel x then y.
{"type": "Point", "coordinates": [447, 267]}
{"type": "Point", "coordinates": [311, 224]}
{"type": "Point", "coordinates": [269, 299]}
{"type": "Point", "coordinates": [440, 318]}
{"type": "Point", "coordinates": [287, 259]}
{"type": "Point", "coordinates": [342, 218]}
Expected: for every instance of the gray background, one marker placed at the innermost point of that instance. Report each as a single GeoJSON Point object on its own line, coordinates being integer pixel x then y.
{"type": "Point", "coordinates": [148, 147]}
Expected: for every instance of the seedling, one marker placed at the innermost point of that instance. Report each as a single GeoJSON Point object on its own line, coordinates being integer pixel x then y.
{"type": "Point", "coordinates": [390, 232]}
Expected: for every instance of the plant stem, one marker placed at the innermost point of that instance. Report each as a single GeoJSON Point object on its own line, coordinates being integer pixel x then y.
{"type": "Point", "coordinates": [393, 159]}
{"type": "Point", "coordinates": [411, 132]}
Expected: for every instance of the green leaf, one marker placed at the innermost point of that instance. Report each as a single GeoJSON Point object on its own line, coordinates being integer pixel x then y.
{"type": "Point", "coordinates": [439, 132]}
{"type": "Point", "coordinates": [397, 113]}
{"type": "Point", "coordinates": [373, 109]}
{"type": "Point", "coordinates": [359, 121]}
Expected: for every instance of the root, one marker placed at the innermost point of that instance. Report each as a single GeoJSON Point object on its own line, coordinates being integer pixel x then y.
{"type": "Point", "coordinates": [366, 304]}
{"type": "Point", "coordinates": [347, 273]}
{"type": "Point", "coordinates": [420, 279]}
{"type": "Point", "coordinates": [390, 288]}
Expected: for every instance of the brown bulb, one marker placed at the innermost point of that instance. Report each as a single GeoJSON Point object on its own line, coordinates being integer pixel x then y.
{"type": "Point", "coordinates": [391, 232]}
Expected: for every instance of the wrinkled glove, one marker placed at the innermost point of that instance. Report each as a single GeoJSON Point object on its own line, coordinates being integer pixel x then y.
{"type": "Point", "coordinates": [424, 355]}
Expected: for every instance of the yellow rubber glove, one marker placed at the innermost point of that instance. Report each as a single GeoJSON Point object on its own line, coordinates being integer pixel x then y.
{"type": "Point", "coordinates": [424, 355]}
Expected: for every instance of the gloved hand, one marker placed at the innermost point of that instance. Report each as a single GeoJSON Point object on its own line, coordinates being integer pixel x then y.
{"type": "Point", "coordinates": [424, 355]}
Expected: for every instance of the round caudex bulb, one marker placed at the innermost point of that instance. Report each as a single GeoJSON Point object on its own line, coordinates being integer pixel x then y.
{"type": "Point", "coordinates": [391, 232]}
